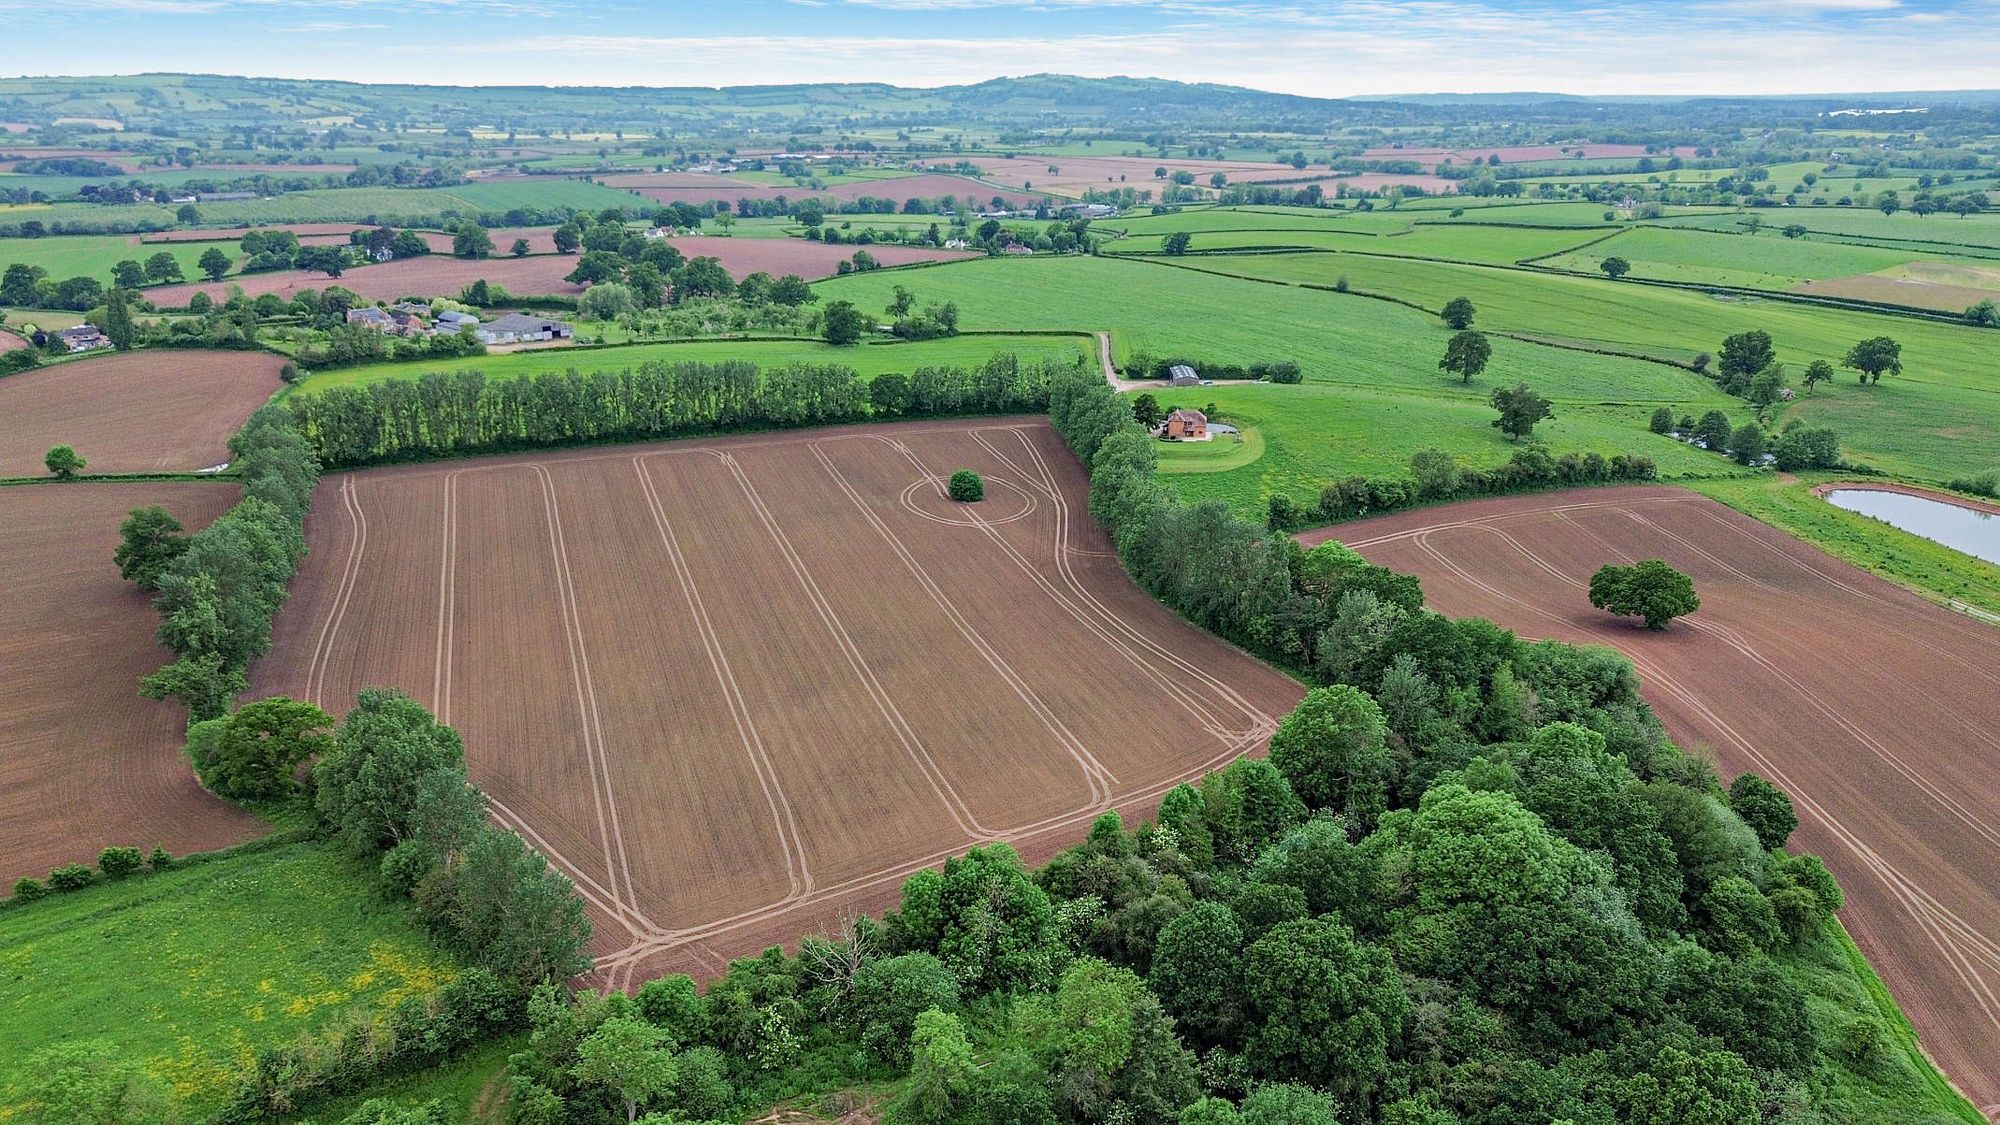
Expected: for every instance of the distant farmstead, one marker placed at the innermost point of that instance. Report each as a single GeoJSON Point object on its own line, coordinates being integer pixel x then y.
{"type": "Point", "coordinates": [520, 328]}
{"type": "Point", "coordinates": [83, 338]}
{"type": "Point", "coordinates": [1181, 375]}
{"type": "Point", "coordinates": [1185, 425]}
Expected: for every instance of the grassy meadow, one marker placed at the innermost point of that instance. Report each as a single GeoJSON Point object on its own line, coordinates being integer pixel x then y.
{"type": "Point", "coordinates": [189, 971]}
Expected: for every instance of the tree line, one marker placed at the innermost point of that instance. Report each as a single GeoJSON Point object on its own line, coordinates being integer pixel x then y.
{"type": "Point", "coordinates": [218, 589]}
{"type": "Point", "coordinates": [442, 414]}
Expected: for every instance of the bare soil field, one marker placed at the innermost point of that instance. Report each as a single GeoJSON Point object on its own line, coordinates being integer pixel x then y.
{"type": "Point", "coordinates": [141, 412]}
{"type": "Point", "coordinates": [673, 187]}
{"type": "Point", "coordinates": [740, 688]}
{"type": "Point", "coordinates": [810, 260]}
{"type": "Point", "coordinates": [9, 342]}
{"type": "Point", "coordinates": [1878, 711]}
{"type": "Point", "coordinates": [1945, 286]}
{"type": "Point", "coordinates": [538, 276]}
{"type": "Point", "coordinates": [84, 761]}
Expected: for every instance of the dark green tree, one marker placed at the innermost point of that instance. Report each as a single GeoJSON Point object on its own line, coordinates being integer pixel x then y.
{"type": "Point", "coordinates": [214, 263]}
{"type": "Point", "coordinates": [1649, 589]}
{"type": "Point", "coordinates": [148, 541]}
{"type": "Point", "coordinates": [1324, 1008]}
{"type": "Point", "coordinates": [1615, 267]}
{"type": "Point", "coordinates": [966, 487]}
{"type": "Point", "coordinates": [1765, 808]}
{"type": "Point", "coordinates": [256, 754]}
{"type": "Point", "coordinates": [62, 462]}
{"type": "Point", "coordinates": [1466, 354]}
{"type": "Point", "coordinates": [1874, 357]}
{"type": "Point", "coordinates": [1458, 313]}
{"type": "Point", "coordinates": [842, 323]}
{"type": "Point", "coordinates": [1176, 244]}
{"type": "Point", "coordinates": [1520, 408]}
{"type": "Point", "coordinates": [367, 783]}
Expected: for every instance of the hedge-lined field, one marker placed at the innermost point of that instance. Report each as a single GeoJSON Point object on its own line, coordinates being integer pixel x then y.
{"type": "Point", "coordinates": [1940, 418]}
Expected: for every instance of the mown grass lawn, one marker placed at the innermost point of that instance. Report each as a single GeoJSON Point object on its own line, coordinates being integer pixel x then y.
{"type": "Point", "coordinates": [188, 972]}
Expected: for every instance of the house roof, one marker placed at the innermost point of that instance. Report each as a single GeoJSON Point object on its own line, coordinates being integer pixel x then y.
{"type": "Point", "coordinates": [522, 322]}
{"type": "Point", "coordinates": [80, 332]}
{"type": "Point", "coordinates": [1186, 415]}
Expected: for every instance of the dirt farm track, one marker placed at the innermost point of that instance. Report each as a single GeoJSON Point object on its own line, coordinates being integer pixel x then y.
{"type": "Point", "coordinates": [739, 688]}
{"type": "Point", "coordinates": [84, 761]}
{"type": "Point", "coordinates": [1878, 711]}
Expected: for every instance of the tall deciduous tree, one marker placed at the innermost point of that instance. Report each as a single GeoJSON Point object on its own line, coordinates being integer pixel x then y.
{"type": "Point", "coordinates": [148, 540]}
{"type": "Point", "coordinates": [1875, 357]}
{"type": "Point", "coordinates": [1458, 312]}
{"type": "Point", "coordinates": [1649, 589]}
{"type": "Point", "coordinates": [1466, 355]}
{"type": "Point", "coordinates": [1520, 408]}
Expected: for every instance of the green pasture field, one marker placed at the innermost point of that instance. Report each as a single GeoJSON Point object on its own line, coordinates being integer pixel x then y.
{"type": "Point", "coordinates": [189, 971]}
{"type": "Point", "coordinates": [868, 359]}
{"type": "Point", "coordinates": [1939, 419]}
{"type": "Point", "coordinates": [1762, 261]}
{"type": "Point", "coordinates": [93, 255]}
{"type": "Point", "coordinates": [1940, 231]}
{"type": "Point", "coordinates": [1500, 245]}
{"type": "Point", "coordinates": [1788, 503]}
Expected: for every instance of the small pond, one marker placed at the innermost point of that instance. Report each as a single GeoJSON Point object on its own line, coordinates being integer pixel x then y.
{"type": "Point", "coordinates": [1964, 529]}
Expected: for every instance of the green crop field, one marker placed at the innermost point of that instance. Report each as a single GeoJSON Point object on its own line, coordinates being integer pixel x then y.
{"type": "Point", "coordinates": [189, 971]}
{"type": "Point", "coordinates": [867, 359]}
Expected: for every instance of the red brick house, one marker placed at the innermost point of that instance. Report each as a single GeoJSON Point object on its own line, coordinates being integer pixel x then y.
{"type": "Point", "coordinates": [1185, 425]}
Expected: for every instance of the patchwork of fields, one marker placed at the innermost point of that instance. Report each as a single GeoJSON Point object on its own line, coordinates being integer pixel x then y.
{"type": "Point", "coordinates": [1877, 711]}
{"type": "Point", "coordinates": [737, 688]}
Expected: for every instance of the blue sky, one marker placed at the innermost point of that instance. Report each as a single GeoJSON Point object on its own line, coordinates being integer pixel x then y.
{"type": "Point", "coordinates": [1320, 47]}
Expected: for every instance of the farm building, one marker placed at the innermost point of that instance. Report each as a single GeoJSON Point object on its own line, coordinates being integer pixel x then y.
{"type": "Point", "coordinates": [1181, 375]}
{"type": "Point", "coordinates": [82, 338]}
{"type": "Point", "coordinates": [1185, 425]}
{"type": "Point", "coordinates": [519, 328]}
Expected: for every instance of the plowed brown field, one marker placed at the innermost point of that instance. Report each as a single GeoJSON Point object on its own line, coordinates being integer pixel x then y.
{"type": "Point", "coordinates": [1877, 710]}
{"type": "Point", "coordinates": [739, 688]}
{"type": "Point", "coordinates": [85, 762]}
{"type": "Point", "coordinates": [168, 410]}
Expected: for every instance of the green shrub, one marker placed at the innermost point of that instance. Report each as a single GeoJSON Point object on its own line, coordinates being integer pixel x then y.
{"type": "Point", "coordinates": [117, 863]}
{"type": "Point", "coordinates": [28, 890]}
{"type": "Point", "coordinates": [966, 487]}
{"type": "Point", "coordinates": [1663, 420]}
{"type": "Point", "coordinates": [70, 877]}
{"type": "Point", "coordinates": [159, 859]}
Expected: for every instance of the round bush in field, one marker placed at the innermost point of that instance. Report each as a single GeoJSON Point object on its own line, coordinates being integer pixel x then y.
{"type": "Point", "coordinates": [966, 487]}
